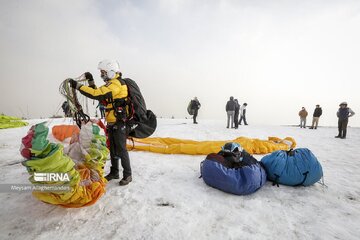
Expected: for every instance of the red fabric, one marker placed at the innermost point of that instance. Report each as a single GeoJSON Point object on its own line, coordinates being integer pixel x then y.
{"type": "Point", "coordinates": [26, 144]}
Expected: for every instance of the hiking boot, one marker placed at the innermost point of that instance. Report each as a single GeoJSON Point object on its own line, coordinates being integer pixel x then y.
{"type": "Point", "coordinates": [343, 137]}
{"type": "Point", "coordinates": [114, 174]}
{"type": "Point", "coordinates": [337, 136]}
{"type": "Point", "coordinates": [125, 181]}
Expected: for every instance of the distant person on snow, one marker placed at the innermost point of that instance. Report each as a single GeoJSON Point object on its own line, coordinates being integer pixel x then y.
{"type": "Point", "coordinates": [102, 110]}
{"type": "Point", "coordinates": [316, 116]}
{"type": "Point", "coordinates": [230, 110]}
{"type": "Point", "coordinates": [236, 115]}
{"type": "Point", "coordinates": [195, 106]}
{"type": "Point", "coordinates": [66, 108]}
{"type": "Point", "coordinates": [243, 114]}
{"type": "Point", "coordinates": [303, 114]}
{"type": "Point", "coordinates": [113, 93]}
{"type": "Point", "coordinates": [343, 114]}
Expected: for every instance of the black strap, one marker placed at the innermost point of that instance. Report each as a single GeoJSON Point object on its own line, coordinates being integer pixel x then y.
{"type": "Point", "coordinates": [276, 180]}
{"type": "Point", "coordinates": [305, 176]}
{"type": "Point", "coordinates": [290, 152]}
{"type": "Point", "coordinates": [80, 117]}
{"type": "Point", "coordinates": [201, 164]}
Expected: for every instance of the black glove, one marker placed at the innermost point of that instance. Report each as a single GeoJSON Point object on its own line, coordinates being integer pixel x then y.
{"type": "Point", "coordinates": [89, 76]}
{"type": "Point", "coordinates": [90, 79]}
{"type": "Point", "coordinates": [74, 84]}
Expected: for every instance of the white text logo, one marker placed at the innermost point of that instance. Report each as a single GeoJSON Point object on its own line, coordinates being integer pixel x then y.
{"type": "Point", "coordinates": [51, 177]}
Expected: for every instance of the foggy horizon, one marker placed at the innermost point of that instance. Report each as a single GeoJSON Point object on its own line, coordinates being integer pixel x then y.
{"type": "Point", "coordinates": [277, 56]}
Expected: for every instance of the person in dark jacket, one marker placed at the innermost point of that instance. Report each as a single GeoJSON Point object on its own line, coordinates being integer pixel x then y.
{"type": "Point", "coordinates": [195, 106]}
{"type": "Point", "coordinates": [316, 116]}
{"type": "Point", "coordinates": [243, 114]}
{"type": "Point", "coordinates": [236, 115]}
{"type": "Point", "coordinates": [102, 110]}
{"type": "Point", "coordinates": [66, 108]}
{"type": "Point", "coordinates": [230, 110]}
{"type": "Point", "coordinates": [343, 114]}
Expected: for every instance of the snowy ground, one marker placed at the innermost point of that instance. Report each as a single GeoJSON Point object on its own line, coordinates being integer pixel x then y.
{"type": "Point", "coordinates": [167, 200]}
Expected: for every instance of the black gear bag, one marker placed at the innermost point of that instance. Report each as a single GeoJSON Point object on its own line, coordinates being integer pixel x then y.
{"type": "Point", "coordinates": [142, 122]}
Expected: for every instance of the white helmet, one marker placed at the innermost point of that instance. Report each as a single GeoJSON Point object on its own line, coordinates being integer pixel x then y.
{"type": "Point", "coordinates": [111, 67]}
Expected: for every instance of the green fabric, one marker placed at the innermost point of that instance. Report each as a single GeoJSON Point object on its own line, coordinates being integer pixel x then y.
{"type": "Point", "coordinates": [95, 129]}
{"type": "Point", "coordinates": [56, 162]}
{"type": "Point", "coordinates": [99, 139]}
{"type": "Point", "coordinates": [40, 142]}
{"type": "Point", "coordinates": [11, 122]}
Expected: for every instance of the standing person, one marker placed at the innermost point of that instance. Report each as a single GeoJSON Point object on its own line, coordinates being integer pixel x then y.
{"type": "Point", "coordinates": [343, 114]}
{"type": "Point", "coordinates": [66, 108]}
{"type": "Point", "coordinates": [113, 93]}
{"type": "Point", "coordinates": [102, 110]}
{"type": "Point", "coordinates": [230, 110]}
{"type": "Point", "coordinates": [303, 114]}
{"type": "Point", "coordinates": [236, 115]}
{"type": "Point", "coordinates": [243, 114]}
{"type": "Point", "coordinates": [195, 106]}
{"type": "Point", "coordinates": [316, 116]}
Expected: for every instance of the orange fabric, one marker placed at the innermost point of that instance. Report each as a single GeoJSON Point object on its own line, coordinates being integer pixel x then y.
{"type": "Point", "coordinates": [60, 132]}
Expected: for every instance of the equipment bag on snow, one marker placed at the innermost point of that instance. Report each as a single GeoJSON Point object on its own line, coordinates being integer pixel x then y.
{"type": "Point", "coordinates": [142, 122]}
{"type": "Point", "coordinates": [297, 167]}
{"type": "Point", "coordinates": [240, 179]}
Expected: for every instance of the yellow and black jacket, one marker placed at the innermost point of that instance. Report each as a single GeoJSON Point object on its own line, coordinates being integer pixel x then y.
{"type": "Point", "coordinates": [108, 93]}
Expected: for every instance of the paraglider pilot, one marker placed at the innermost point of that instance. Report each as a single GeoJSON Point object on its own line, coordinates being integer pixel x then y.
{"type": "Point", "coordinates": [113, 93]}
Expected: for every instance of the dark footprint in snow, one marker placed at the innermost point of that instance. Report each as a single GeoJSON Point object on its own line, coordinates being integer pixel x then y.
{"type": "Point", "coordinates": [162, 203]}
{"type": "Point", "coordinates": [352, 198]}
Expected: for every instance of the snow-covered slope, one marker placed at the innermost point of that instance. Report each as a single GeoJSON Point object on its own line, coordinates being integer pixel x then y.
{"type": "Point", "coordinates": [168, 200]}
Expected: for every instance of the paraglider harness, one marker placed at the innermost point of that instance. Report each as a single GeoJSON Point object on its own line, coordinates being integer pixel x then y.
{"type": "Point", "coordinates": [123, 107]}
{"type": "Point", "coordinates": [141, 122]}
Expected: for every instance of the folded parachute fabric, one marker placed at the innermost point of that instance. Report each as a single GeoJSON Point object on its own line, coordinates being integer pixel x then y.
{"type": "Point", "coordinates": [83, 162]}
{"type": "Point", "coordinates": [11, 122]}
{"type": "Point", "coordinates": [60, 132]}
{"type": "Point", "coordinates": [182, 146]}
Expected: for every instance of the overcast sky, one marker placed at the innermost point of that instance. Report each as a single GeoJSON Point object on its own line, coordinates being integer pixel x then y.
{"type": "Point", "coordinates": [277, 56]}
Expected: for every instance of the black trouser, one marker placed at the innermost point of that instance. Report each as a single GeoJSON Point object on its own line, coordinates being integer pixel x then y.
{"type": "Point", "coordinates": [236, 119]}
{"type": "Point", "coordinates": [243, 118]}
{"type": "Point", "coordinates": [342, 125]}
{"type": "Point", "coordinates": [195, 114]}
{"type": "Point", "coordinates": [117, 134]}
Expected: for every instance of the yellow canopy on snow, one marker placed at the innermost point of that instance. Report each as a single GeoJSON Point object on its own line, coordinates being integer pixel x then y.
{"type": "Point", "coordinates": [182, 146]}
{"type": "Point", "coordinates": [11, 122]}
